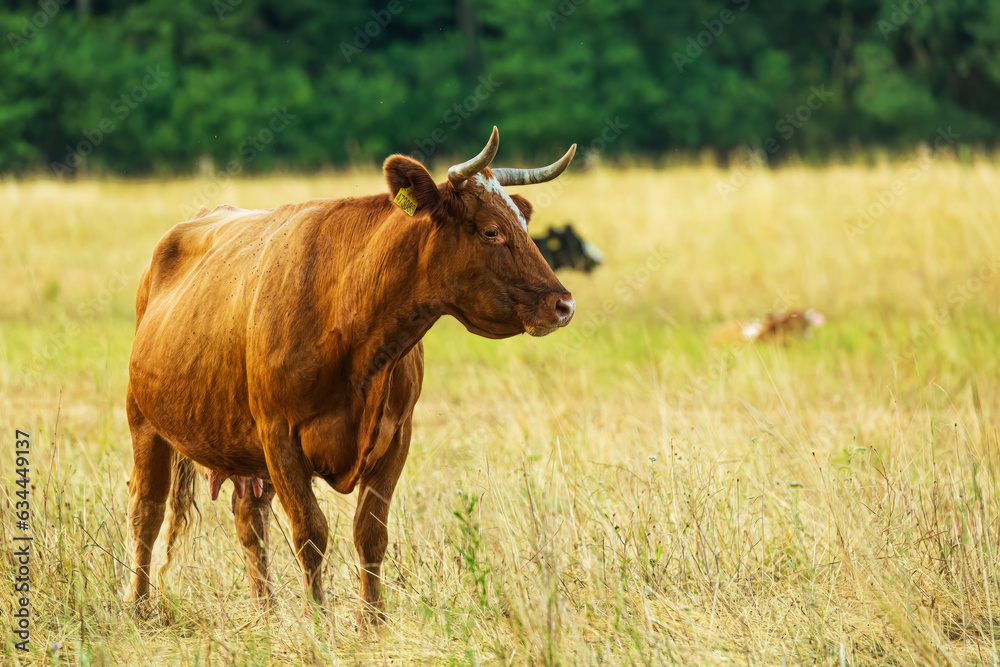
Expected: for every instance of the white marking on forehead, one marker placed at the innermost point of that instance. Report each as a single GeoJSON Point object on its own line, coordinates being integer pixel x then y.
{"type": "Point", "coordinates": [492, 185]}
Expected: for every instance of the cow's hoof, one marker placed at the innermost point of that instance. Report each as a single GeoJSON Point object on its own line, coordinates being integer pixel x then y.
{"type": "Point", "coordinates": [264, 602]}
{"type": "Point", "coordinates": [140, 608]}
{"type": "Point", "coordinates": [313, 609]}
{"type": "Point", "coordinates": [370, 619]}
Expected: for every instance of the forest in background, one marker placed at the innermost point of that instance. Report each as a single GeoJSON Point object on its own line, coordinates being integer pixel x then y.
{"type": "Point", "coordinates": [166, 87]}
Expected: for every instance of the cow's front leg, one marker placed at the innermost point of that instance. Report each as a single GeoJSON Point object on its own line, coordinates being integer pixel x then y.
{"type": "Point", "coordinates": [291, 476]}
{"type": "Point", "coordinates": [371, 532]}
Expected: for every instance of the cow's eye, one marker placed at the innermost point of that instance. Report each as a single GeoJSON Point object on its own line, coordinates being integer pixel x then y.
{"type": "Point", "coordinates": [492, 236]}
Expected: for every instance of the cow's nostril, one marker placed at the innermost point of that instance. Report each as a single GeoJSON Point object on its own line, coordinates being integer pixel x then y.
{"type": "Point", "coordinates": [565, 309]}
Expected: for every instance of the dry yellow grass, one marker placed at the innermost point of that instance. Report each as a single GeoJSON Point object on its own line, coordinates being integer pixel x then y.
{"type": "Point", "coordinates": [617, 492]}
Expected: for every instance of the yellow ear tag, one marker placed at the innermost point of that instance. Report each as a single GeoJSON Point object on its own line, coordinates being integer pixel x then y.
{"type": "Point", "coordinates": [554, 244]}
{"type": "Point", "coordinates": [405, 201]}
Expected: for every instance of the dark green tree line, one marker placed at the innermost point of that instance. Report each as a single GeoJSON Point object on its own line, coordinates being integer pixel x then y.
{"type": "Point", "coordinates": [158, 87]}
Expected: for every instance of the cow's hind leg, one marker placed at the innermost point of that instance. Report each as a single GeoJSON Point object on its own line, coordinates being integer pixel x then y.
{"type": "Point", "coordinates": [147, 496]}
{"type": "Point", "coordinates": [253, 516]}
{"type": "Point", "coordinates": [371, 530]}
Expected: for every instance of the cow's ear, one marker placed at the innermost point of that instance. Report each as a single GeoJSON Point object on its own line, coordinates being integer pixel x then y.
{"type": "Point", "coordinates": [420, 192]}
{"type": "Point", "coordinates": [524, 205]}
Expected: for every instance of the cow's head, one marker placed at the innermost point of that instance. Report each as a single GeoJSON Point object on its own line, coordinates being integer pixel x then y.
{"type": "Point", "coordinates": [565, 249]}
{"type": "Point", "coordinates": [478, 256]}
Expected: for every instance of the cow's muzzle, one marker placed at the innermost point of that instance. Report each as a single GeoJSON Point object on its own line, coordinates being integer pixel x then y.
{"type": "Point", "coordinates": [565, 307]}
{"type": "Point", "coordinates": [554, 311]}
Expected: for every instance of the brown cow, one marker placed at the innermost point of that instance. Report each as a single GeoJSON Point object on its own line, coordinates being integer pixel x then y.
{"type": "Point", "coordinates": [275, 346]}
{"type": "Point", "coordinates": [780, 327]}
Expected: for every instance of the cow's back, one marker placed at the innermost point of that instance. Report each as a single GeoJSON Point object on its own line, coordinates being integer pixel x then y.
{"type": "Point", "coordinates": [220, 241]}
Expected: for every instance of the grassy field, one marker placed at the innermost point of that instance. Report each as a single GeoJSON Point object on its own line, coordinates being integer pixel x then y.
{"type": "Point", "coordinates": [619, 492]}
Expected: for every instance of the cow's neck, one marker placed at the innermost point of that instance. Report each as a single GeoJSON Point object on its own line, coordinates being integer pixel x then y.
{"type": "Point", "coordinates": [384, 303]}
{"type": "Point", "coordinates": [383, 306]}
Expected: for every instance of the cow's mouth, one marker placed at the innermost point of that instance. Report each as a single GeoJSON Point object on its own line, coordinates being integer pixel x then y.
{"type": "Point", "coordinates": [538, 331]}
{"type": "Point", "coordinates": [545, 317]}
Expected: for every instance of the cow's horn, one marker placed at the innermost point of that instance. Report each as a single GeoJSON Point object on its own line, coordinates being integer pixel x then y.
{"type": "Point", "coordinates": [460, 173]}
{"type": "Point", "coordinates": [539, 175]}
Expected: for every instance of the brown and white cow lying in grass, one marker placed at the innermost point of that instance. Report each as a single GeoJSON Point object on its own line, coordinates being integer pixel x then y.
{"type": "Point", "coordinates": [275, 346]}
